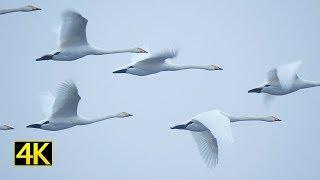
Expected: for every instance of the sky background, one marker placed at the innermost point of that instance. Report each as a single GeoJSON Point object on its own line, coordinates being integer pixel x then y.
{"type": "Point", "coordinates": [245, 37]}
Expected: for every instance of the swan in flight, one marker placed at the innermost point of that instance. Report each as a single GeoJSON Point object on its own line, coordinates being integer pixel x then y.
{"type": "Point", "coordinates": [73, 42]}
{"type": "Point", "coordinates": [211, 127]}
{"type": "Point", "coordinates": [152, 64]}
{"type": "Point", "coordinates": [5, 127]}
{"type": "Point", "coordinates": [22, 9]}
{"type": "Point", "coordinates": [64, 111]}
{"type": "Point", "coordinates": [284, 80]}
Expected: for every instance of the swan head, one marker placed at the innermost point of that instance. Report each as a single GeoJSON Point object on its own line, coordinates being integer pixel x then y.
{"type": "Point", "coordinates": [124, 115]}
{"type": "Point", "coordinates": [214, 67]}
{"type": "Point", "coordinates": [272, 119]}
{"type": "Point", "coordinates": [139, 50]}
{"type": "Point", "coordinates": [6, 127]}
{"type": "Point", "coordinates": [31, 8]}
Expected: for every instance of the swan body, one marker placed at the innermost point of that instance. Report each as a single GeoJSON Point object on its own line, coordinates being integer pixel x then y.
{"type": "Point", "coordinates": [64, 111]}
{"type": "Point", "coordinates": [73, 42]}
{"type": "Point", "coordinates": [159, 62]}
{"type": "Point", "coordinates": [211, 127]}
{"type": "Point", "coordinates": [5, 127]}
{"type": "Point", "coordinates": [22, 9]}
{"type": "Point", "coordinates": [284, 80]}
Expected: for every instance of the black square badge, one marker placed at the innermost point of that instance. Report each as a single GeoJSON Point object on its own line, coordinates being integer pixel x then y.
{"type": "Point", "coordinates": [33, 153]}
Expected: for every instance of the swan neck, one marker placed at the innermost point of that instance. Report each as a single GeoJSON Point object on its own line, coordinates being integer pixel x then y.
{"type": "Point", "coordinates": [4, 11]}
{"type": "Point", "coordinates": [247, 118]}
{"type": "Point", "coordinates": [307, 84]}
{"type": "Point", "coordinates": [84, 121]}
{"type": "Point", "coordinates": [189, 66]}
{"type": "Point", "coordinates": [97, 51]}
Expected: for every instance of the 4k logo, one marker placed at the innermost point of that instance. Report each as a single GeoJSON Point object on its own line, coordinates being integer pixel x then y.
{"type": "Point", "coordinates": [33, 153]}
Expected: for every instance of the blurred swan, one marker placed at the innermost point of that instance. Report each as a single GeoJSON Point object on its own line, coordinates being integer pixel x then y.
{"type": "Point", "coordinates": [284, 80]}
{"type": "Point", "coordinates": [5, 127]}
{"type": "Point", "coordinates": [152, 64]}
{"type": "Point", "coordinates": [22, 9]}
{"type": "Point", "coordinates": [211, 127]}
{"type": "Point", "coordinates": [64, 111]}
{"type": "Point", "coordinates": [73, 42]}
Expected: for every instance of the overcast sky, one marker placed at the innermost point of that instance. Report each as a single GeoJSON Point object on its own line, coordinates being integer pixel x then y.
{"type": "Point", "coordinates": [245, 37]}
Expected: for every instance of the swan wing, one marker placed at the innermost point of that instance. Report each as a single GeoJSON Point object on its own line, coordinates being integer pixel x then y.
{"type": "Point", "coordinates": [159, 57]}
{"type": "Point", "coordinates": [272, 77]}
{"type": "Point", "coordinates": [287, 73]}
{"type": "Point", "coordinates": [218, 124]}
{"type": "Point", "coordinates": [207, 146]}
{"type": "Point", "coordinates": [66, 101]}
{"type": "Point", "coordinates": [47, 100]}
{"type": "Point", "coordinates": [73, 30]}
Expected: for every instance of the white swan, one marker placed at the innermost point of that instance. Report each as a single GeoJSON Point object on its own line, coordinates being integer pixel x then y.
{"type": "Point", "coordinates": [210, 127]}
{"type": "Point", "coordinates": [158, 62]}
{"type": "Point", "coordinates": [5, 127]}
{"type": "Point", "coordinates": [73, 42]}
{"type": "Point", "coordinates": [22, 9]}
{"type": "Point", "coordinates": [284, 80]}
{"type": "Point", "coordinates": [64, 111]}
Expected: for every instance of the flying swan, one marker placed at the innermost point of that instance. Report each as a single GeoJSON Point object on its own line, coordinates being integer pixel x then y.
{"type": "Point", "coordinates": [73, 42]}
{"type": "Point", "coordinates": [211, 127]}
{"type": "Point", "coordinates": [152, 64]}
{"type": "Point", "coordinates": [22, 9]}
{"type": "Point", "coordinates": [64, 111]}
{"type": "Point", "coordinates": [284, 80]}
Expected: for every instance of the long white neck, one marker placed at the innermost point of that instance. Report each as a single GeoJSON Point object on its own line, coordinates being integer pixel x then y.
{"type": "Point", "coordinates": [301, 83]}
{"type": "Point", "coordinates": [84, 121]}
{"type": "Point", "coordinates": [249, 118]}
{"type": "Point", "coordinates": [4, 11]}
{"type": "Point", "coordinates": [174, 67]}
{"type": "Point", "coordinates": [97, 51]}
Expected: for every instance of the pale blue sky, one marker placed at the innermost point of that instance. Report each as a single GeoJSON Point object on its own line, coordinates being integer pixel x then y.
{"type": "Point", "coordinates": [245, 37]}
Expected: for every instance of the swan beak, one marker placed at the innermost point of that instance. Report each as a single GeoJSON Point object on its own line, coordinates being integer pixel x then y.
{"type": "Point", "coordinates": [278, 120]}
{"type": "Point", "coordinates": [34, 126]}
{"type": "Point", "coordinates": [142, 50]}
{"type": "Point", "coordinates": [219, 68]}
{"type": "Point", "coordinates": [255, 90]}
{"type": "Point", "coordinates": [129, 115]}
{"type": "Point", "coordinates": [120, 71]}
{"type": "Point", "coordinates": [9, 127]}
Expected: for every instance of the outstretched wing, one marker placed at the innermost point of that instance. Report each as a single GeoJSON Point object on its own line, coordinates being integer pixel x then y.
{"type": "Point", "coordinates": [287, 73]}
{"type": "Point", "coordinates": [73, 29]}
{"type": "Point", "coordinates": [159, 57]}
{"type": "Point", "coordinates": [66, 101]}
{"type": "Point", "coordinates": [218, 124]}
{"type": "Point", "coordinates": [208, 147]}
{"type": "Point", "coordinates": [272, 77]}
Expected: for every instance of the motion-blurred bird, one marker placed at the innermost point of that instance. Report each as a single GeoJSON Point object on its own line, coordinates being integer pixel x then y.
{"type": "Point", "coordinates": [284, 80]}
{"type": "Point", "coordinates": [73, 42]}
{"type": "Point", "coordinates": [211, 127]}
{"type": "Point", "coordinates": [64, 111]}
{"type": "Point", "coordinates": [152, 64]}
